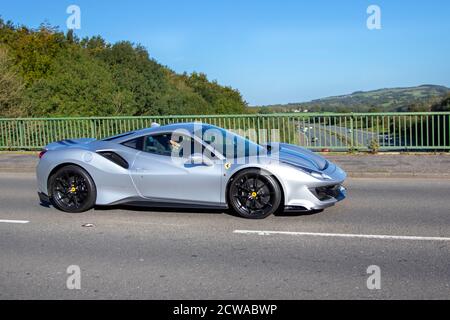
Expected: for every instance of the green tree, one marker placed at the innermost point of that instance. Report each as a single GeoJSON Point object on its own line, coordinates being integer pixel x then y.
{"type": "Point", "coordinates": [443, 105]}
{"type": "Point", "coordinates": [76, 86]}
{"type": "Point", "coordinates": [34, 51]}
{"type": "Point", "coordinates": [133, 71]}
{"type": "Point", "coordinates": [222, 99]}
{"type": "Point", "coordinates": [11, 86]}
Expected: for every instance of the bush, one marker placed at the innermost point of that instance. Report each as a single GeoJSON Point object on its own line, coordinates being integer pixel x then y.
{"type": "Point", "coordinates": [374, 146]}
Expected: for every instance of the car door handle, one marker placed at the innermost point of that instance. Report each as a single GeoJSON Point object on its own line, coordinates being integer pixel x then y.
{"type": "Point", "coordinates": [194, 165]}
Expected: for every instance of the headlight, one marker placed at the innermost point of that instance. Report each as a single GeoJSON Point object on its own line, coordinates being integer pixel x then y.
{"type": "Point", "coordinates": [320, 175]}
{"type": "Point", "coordinates": [312, 173]}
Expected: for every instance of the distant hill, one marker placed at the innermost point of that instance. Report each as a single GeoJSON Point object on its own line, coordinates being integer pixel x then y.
{"type": "Point", "coordinates": [420, 98]}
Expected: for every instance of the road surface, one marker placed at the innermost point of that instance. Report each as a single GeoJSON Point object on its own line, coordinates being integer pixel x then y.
{"type": "Point", "coordinates": [336, 136]}
{"type": "Point", "coordinates": [400, 225]}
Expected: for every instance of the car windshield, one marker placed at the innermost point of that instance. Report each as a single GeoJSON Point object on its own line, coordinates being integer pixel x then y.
{"type": "Point", "coordinates": [230, 144]}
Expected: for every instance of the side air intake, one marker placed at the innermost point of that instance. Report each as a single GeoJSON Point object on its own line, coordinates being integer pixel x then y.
{"type": "Point", "coordinates": [114, 157]}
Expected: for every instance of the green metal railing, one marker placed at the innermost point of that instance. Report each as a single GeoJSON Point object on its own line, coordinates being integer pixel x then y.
{"type": "Point", "coordinates": [351, 131]}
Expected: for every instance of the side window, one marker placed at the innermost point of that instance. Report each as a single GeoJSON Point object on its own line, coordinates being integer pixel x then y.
{"type": "Point", "coordinates": [166, 144]}
{"type": "Point", "coordinates": [134, 143]}
{"type": "Point", "coordinates": [161, 144]}
{"type": "Point", "coordinates": [189, 146]}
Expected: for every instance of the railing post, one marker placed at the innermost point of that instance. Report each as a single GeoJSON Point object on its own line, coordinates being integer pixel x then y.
{"type": "Point", "coordinates": [93, 131]}
{"type": "Point", "coordinates": [258, 127]}
{"type": "Point", "coordinates": [352, 142]}
{"type": "Point", "coordinates": [355, 139]}
{"type": "Point", "coordinates": [21, 133]}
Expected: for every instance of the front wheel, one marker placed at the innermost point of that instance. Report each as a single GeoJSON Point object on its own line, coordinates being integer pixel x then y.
{"type": "Point", "coordinates": [254, 194]}
{"type": "Point", "coordinates": [72, 189]}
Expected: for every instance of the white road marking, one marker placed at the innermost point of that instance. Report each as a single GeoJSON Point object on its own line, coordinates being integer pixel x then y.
{"type": "Point", "coordinates": [342, 235]}
{"type": "Point", "coordinates": [14, 221]}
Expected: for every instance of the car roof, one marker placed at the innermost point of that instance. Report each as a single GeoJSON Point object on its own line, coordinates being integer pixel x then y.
{"type": "Point", "coordinates": [188, 126]}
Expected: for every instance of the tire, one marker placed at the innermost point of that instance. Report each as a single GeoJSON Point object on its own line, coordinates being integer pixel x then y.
{"type": "Point", "coordinates": [254, 194]}
{"type": "Point", "coordinates": [72, 189]}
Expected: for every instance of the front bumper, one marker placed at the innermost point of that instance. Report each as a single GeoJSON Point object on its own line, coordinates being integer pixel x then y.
{"type": "Point", "coordinates": [313, 202]}
{"type": "Point", "coordinates": [43, 198]}
{"type": "Point", "coordinates": [304, 192]}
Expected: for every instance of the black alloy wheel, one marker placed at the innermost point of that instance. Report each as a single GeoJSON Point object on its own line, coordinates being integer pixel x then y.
{"type": "Point", "coordinates": [72, 189]}
{"type": "Point", "coordinates": [254, 194]}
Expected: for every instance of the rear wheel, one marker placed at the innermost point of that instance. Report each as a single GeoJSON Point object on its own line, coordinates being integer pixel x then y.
{"type": "Point", "coordinates": [72, 189]}
{"type": "Point", "coordinates": [254, 194]}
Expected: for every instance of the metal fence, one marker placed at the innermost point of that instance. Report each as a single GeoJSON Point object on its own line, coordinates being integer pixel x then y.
{"type": "Point", "coordinates": [340, 132]}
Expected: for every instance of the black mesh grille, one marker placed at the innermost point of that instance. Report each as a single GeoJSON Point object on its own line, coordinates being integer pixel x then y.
{"type": "Point", "coordinates": [327, 192]}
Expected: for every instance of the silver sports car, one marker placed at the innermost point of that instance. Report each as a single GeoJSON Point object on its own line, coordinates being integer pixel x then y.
{"type": "Point", "coordinates": [187, 165]}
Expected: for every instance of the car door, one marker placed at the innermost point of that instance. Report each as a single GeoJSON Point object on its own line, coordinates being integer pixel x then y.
{"type": "Point", "coordinates": [160, 178]}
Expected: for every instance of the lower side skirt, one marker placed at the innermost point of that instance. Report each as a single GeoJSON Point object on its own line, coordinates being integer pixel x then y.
{"type": "Point", "coordinates": [171, 205]}
{"type": "Point", "coordinates": [158, 203]}
{"type": "Point", "coordinates": [44, 199]}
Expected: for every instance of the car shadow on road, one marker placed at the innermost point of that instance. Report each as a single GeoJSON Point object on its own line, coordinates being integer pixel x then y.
{"type": "Point", "coordinates": [228, 212]}
{"type": "Point", "coordinates": [45, 204]}
{"type": "Point", "coordinates": [160, 209]}
{"type": "Point", "coordinates": [297, 213]}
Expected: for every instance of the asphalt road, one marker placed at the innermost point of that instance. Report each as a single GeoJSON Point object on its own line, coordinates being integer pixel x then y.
{"type": "Point", "coordinates": [332, 135]}
{"type": "Point", "coordinates": [144, 254]}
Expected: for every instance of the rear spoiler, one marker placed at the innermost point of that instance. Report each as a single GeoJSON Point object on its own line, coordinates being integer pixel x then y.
{"type": "Point", "coordinates": [68, 143]}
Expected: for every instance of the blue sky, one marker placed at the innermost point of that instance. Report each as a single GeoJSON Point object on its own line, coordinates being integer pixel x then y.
{"type": "Point", "coordinates": [272, 51]}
